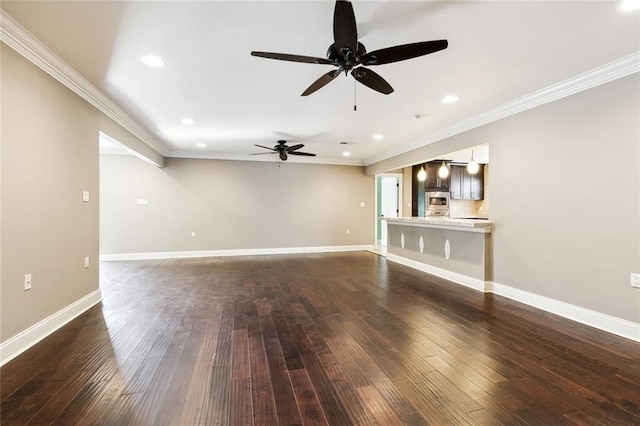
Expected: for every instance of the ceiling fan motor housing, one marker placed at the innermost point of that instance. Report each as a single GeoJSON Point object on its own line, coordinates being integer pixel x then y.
{"type": "Point", "coordinates": [346, 62]}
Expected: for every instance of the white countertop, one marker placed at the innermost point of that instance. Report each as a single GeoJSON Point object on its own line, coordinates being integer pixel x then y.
{"type": "Point", "coordinates": [477, 225]}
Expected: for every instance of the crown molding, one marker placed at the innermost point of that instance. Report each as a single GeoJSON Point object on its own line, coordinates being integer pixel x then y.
{"type": "Point", "coordinates": [264, 158]}
{"type": "Point", "coordinates": [22, 41]}
{"type": "Point", "coordinates": [614, 70]}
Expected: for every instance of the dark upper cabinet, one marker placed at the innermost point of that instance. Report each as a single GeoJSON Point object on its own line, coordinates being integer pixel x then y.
{"type": "Point", "coordinates": [465, 186]}
{"type": "Point", "coordinates": [477, 184]}
{"type": "Point", "coordinates": [434, 182]}
{"type": "Point", "coordinates": [455, 186]}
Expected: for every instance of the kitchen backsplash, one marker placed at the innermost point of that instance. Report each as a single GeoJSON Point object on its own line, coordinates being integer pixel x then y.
{"type": "Point", "coordinates": [459, 208]}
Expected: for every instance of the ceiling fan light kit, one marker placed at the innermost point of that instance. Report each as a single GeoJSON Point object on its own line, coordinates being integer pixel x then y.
{"type": "Point", "coordinates": [350, 56]}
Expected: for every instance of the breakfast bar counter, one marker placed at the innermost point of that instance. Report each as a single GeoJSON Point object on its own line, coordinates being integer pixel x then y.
{"type": "Point", "coordinates": [456, 249]}
{"type": "Point", "coordinates": [479, 225]}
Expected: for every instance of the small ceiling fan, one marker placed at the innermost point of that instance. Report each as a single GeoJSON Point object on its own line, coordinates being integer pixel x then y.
{"type": "Point", "coordinates": [349, 55]}
{"type": "Point", "coordinates": [283, 150]}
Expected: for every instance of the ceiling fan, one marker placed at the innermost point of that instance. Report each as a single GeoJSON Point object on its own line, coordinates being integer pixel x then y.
{"type": "Point", "coordinates": [283, 150]}
{"type": "Point", "coordinates": [349, 55]}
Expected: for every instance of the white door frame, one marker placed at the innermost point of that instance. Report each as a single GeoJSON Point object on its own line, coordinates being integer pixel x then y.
{"type": "Point", "coordinates": [375, 210]}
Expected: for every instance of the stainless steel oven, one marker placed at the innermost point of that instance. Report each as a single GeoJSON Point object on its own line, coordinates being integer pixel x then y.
{"type": "Point", "coordinates": [437, 204]}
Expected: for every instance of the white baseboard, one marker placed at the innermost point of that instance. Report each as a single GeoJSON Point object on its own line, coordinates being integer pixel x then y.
{"type": "Point", "coordinates": [604, 322]}
{"type": "Point", "coordinates": [29, 337]}
{"type": "Point", "coordinates": [457, 278]}
{"type": "Point", "coordinates": [239, 252]}
{"type": "Point", "coordinates": [608, 323]}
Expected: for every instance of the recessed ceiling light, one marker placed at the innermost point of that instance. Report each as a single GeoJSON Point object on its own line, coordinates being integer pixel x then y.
{"type": "Point", "coordinates": [449, 99]}
{"type": "Point", "coordinates": [152, 61]}
{"type": "Point", "coordinates": [188, 121]}
{"type": "Point", "coordinates": [346, 153]}
{"type": "Point", "coordinates": [201, 145]}
{"type": "Point", "coordinates": [378, 136]}
{"type": "Point", "coordinates": [629, 5]}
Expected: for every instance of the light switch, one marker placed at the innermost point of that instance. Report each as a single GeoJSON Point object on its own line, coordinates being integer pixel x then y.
{"type": "Point", "coordinates": [27, 282]}
{"type": "Point", "coordinates": [86, 262]}
{"type": "Point", "coordinates": [85, 196]}
{"type": "Point", "coordinates": [361, 203]}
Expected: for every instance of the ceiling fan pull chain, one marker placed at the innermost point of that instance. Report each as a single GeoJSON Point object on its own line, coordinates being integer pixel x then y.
{"type": "Point", "coordinates": [355, 108]}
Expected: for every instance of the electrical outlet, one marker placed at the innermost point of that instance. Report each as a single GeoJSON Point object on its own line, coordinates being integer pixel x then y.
{"type": "Point", "coordinates": [193, 234]}
{"type": "Point", "coordinates": [348, 231]}
{"type": "Point", "coordinates": [27, 282]}
{"type": "Point", "coordinates": [635, 280]}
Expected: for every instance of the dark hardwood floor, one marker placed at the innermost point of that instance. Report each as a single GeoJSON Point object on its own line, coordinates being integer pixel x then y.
{"type": "Point", "coordinates": [336, 339]}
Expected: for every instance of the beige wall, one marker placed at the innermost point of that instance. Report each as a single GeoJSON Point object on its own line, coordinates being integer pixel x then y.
{"type": "Point", "coordinates": [49, 156]}
{"type": "Point", "coordinates": [565, 196]}
{"type": "Point", "coordinates": [231, 205]}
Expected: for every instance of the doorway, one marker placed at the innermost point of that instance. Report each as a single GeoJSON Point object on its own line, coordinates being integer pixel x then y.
{"type": "Point", "coordinates": [388, 202]}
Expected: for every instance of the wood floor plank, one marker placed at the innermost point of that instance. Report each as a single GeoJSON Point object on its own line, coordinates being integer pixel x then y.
{"type": "Point", "coordinates": [316, 339]}
{"type": "Point", "coordinates": [171, 406]}
{"type": "Point", "coordinates": [383, 414]}
{"type": "Point", "coordinates": [198, 388]}
{"type": "Point", "coordinates": [240, 406]}
{"type": "Point", "coordinates": [332, 405]}
{"type": "Point", "coordinates": [286, 406]}
{"type": "Point", "coordinates": [309, 406]}
{"type": "Point", "coordinates": [217, 408]}
{"type": "Point", "coordinates": [287, 345]}
{"type": "Point", "coordinates": [263, 402]}
{"type": "Point", "coordinates": [240, 355]}
{"type": "Point", "coordinates": [156, 391]}
{"type": "Point", "coordinates": [399, 403]}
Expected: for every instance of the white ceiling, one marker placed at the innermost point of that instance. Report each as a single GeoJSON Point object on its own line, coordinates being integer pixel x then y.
{"type": "Point", "coordinates": [498, 52]}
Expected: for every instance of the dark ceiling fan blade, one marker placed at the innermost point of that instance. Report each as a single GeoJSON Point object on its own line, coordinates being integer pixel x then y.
{"type": "Point", "coordinates": [283, 156]}
{"type": "Point", "coordinates": [345, 32]}
{"type": "Point", "coordinates": [372, 80]}
{"type": "Point", "coordinates": [265, 147]}
{"type": "Point", "coordinates": [293, 58]}
{"type": "Point", "coordinates": [402, 52]}
{"type": "Point", "coordinates": [321, 82]}
{"type": "Point", "coordinates": [306, 154]}
{"type": "Point", "coordinates": [294, 147]}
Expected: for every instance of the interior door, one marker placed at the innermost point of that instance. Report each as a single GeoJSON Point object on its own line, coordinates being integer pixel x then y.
{"type": "Point", "coordinates": [389, 204]}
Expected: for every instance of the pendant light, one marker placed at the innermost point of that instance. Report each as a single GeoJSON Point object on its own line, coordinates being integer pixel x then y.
{"type": "Point", "coordinates": [443, 171]}
{"type": "Point", "coordinates": [422, 174]}
{"type": "Point", "coordinates": [473, 165]}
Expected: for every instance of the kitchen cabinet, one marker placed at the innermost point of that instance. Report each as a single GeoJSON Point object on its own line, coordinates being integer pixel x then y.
{"type": "Point", "coordinates": [434, 182]}
{"type": "Point", "coordinates": [465, 186]}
